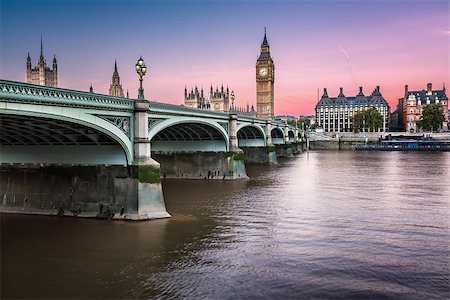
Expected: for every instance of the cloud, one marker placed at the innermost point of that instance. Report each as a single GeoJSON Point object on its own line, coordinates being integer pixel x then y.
{"type": "Point", "coordinates": [348, 64]}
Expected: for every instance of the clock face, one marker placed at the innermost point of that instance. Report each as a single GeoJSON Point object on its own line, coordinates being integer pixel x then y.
{"type": "Point", "coordinates": [263, 72]}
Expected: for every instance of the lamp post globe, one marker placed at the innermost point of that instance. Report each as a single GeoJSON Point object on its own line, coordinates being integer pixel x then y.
{"type": "Point", "coordinates": [141, 69]}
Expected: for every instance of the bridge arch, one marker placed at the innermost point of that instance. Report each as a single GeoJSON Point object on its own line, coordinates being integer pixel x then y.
{"type": "Point", "coordinates": [188, 135]}
{"type": "Point", "coordinates": [277, 136]}
{"type": "Point", "coordinates": [46, 134]}
{"type": "Point", "coordinates": [250, 135]}
{"type": "Point", "coordinates": [291, 136]}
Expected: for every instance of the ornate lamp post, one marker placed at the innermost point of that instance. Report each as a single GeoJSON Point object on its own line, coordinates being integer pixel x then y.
{"type": "Point", "coordinates": [141, 69]}
{"type": "Point", "coordinates": [232, 97]}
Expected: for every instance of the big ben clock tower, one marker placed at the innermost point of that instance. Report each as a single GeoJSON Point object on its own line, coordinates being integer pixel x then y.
{"type": "Point", "coordinates": [265, 78]}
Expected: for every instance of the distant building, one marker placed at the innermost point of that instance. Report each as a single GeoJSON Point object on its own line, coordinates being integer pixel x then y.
{"type": "Point", "coordinates": [251, 112]}
{"type": "Point", "coordinates": [115, 89]}
{"type": "Point", "coordinates": [396, 119]}
{"type": "Point", "coordinates": [41, 74]}
{"type": "Point", "coordinates": [284, 118]}
{"type": "Point", "coordinates": [218, 100]}
{"type": "Point", "coordinates": [336, 114]}
{"type": "Point", "coordinates": [415, 101]}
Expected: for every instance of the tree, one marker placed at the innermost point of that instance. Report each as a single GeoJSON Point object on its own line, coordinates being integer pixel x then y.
{"type": "Point", "coordinates": [368, 119]}
{"type": "Point", "coordinates": [374, 119]}
{"type": "Point", "coordinates": [359, 121]}
{"type": "Point", "coordinates": [432, 117]}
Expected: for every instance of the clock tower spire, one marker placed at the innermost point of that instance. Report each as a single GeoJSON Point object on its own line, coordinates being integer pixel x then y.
{"type": "Point", "coordinates": [265, 78]}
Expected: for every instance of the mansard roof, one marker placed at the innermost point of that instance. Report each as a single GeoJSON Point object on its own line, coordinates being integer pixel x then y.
{"type": "Point", "coordinates": [422, 95]}
{"type": "Point", "coordinates": [375, 99]}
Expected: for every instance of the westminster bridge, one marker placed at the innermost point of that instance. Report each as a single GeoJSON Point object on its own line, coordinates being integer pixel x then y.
{"type": "Point", "coordinates": [78, 153]}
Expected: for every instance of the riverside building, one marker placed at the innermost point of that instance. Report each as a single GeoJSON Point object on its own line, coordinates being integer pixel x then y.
{"type": "Point", "coordinates": [415, 101]}
{"type": "Point", "coordinates": [219, 100]}
{"type": "Point", "coordinates": [335, 114]}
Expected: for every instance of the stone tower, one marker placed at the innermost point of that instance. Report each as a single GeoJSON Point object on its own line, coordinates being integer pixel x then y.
{"type": "Point", "coordinates": [41, 74]}
{"type": "Point", "coordinates": [220, 99]}
{"type": "Point", "coordinates": [265, 78]}
{"type": "Point", "coordinates": [115, 88]}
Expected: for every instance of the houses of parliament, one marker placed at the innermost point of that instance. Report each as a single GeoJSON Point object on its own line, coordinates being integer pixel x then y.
{"type": "Point", "coordinates": [218, 100]}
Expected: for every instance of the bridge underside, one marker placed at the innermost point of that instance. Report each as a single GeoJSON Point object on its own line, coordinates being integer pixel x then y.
{"type": "Point", "coordinates": [291, 136]}
{"type": "Point", "coordinates": [29, 139]}
{"type": "Point", "coordinates": [277, 136]}
{"type": "Point", "coordinates": [250, 136]}
{"type": "Point", "coordinates": [189, 137]}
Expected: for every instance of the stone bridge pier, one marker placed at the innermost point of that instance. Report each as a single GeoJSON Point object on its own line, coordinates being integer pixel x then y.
{"type": "Point", "coordinates": [197, 149]}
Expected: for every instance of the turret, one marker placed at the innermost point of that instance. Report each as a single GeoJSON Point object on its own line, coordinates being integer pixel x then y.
{"type": "Point", "coordinates": [361, 94]}
{"type": "Point", "coordinates": [325, 93]}
{"type": "Point", "coordinates": [41, 57]}
{"type": "Point", "coordinates": [28, 61]}
{"type": "Point", "coordinates": [341, 92]}
{"type": "Point", "coordinates": [265, 48]}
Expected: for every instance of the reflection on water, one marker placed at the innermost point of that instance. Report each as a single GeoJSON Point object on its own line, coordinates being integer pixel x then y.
{"type": "Point", "coordinates": [320, 225]}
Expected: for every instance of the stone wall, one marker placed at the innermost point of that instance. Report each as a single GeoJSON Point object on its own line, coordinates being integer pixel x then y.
{"type": "Point", "coordinates": [284, 150]}
{"type": "Point", "coordinates": [260, 155]}
{"type": "Point", "coordinates": [335, 145]}
{"type": "Point", "coordinates": [201, 165]}
{"type": "Point", "coordinates": [83, 191]}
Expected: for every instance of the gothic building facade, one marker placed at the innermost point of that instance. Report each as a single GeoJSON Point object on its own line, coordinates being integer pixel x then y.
{"type": "Point", "coordinates": [219, 100]}
{"type": "Point", "coordinates": [335, 114]}
{"type": "Point", "coordinates": [41, 74]}
{"type": "Point", "coordinates": [265, 79]}
{"type": "Point", "coordinates": [414, 103]}
{"type": "Point", "coordinates": [115, 89]}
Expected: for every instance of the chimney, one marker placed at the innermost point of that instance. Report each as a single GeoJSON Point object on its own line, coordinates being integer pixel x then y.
{"type": "Point", "coordinates": [429, 87]}
{"type": "Point", "coordinates": [406, 88]}
{"type": "Point", "coordinates": [360, 90]}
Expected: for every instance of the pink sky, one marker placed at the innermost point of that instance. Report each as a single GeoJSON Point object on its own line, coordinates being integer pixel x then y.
{"type": "Point", "coordinates": [314, 45]}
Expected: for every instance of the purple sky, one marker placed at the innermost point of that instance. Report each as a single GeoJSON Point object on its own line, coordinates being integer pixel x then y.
{"type": "Point", "coordinates": [315, 44]}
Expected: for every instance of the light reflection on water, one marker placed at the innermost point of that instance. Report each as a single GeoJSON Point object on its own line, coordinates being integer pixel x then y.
{"type": "Point", "coordinates": [320, 225]}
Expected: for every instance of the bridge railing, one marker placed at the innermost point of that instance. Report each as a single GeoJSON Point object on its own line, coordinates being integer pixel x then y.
{"type": "Point", "coordinates": [24, 92]}
{"type": "Point", "coordinates": [29, 93]}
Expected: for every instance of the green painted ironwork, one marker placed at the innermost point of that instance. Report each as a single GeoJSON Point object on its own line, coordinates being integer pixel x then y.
{"type": "Point", "coordinates": [30, 93]}
{"type": "Point", "coordinates": [118, 110]}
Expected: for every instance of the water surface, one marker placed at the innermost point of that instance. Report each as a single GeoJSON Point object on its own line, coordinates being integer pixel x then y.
{"type": "Point", "coordinates": [324, 225]}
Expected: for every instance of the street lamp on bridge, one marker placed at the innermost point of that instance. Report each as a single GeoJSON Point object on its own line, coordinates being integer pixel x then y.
{"type": "Point", "coordinates": [141, 69]}
{"type": "Point", "coordinates": [232, 97]}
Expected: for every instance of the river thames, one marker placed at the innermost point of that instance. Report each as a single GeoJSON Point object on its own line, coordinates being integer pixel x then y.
{"type": "Point", "coordinates": [324, 225]}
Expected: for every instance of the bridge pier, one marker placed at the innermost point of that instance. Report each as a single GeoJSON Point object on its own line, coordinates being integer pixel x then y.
{"type": "Point", "coordinates": [114, 192]}
{"type": "Point", "coordinates": [260, 155]}
{"type": "Point", "coordinates": [145, 171]}
{"type": "Point", "coordinates": [284, 150]}
{"type": "Point", "coordinates": [202, 165]}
